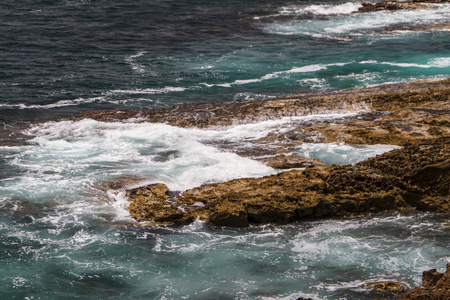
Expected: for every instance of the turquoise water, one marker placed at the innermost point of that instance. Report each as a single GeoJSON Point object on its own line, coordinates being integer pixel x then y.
{"type": "Point", "coordinates": [64, 233]}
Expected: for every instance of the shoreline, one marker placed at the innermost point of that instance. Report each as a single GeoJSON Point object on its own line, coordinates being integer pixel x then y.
{"type": "Point", "coordinates": [413, 178]}
{"type": "Point", "coordinates": [412, 115]}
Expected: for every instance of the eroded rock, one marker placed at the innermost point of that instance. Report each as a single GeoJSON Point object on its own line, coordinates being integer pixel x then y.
{"type": "Point", "coordinates": [150, 204]}
{"type": "Point", "coordinates": [388, 286]}
{"type": "Point", "coordinates": [392, 5]}
{"type": "Point", "coordinates": [435, 286]}
{"type": "Point", "coordinates": [390, 114]}
{"type": "Point", "coordinates": [290, 162]}
{"type": "Point", "coordinates": [414, 177]}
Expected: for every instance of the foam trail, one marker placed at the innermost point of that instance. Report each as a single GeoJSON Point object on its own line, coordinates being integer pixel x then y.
{"type": "Point", "coordinates": [441, 62]}
{"type": "Point", "coordinates": [304, 69]}
{"type": "Point", "coordinates": [167, 89]}
{"type": "Point", "coordinates": [138, 68]}
{"type": "Point", "coordinates": [325, 10]}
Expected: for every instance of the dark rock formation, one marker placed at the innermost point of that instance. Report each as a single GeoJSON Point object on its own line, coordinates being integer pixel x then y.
{"type": "Point", "coordinates": [414, 177]}
{"type": "Point", "coordinates": [397, 5]}
{"type": "Point", "coordinates": [435, 286]}
{"type": "Point", "coordinates": [392, 5]}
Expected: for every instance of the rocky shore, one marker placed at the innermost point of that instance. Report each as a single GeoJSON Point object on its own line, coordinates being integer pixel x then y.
{"type": "Point", "coordinates": [415, 177]}
{"type": "Point", "coordinates": [435, 286]}
{"type": "Point", "coordinates": [397, 5]}
{"type": "Point", "coordinates": [388, 5]}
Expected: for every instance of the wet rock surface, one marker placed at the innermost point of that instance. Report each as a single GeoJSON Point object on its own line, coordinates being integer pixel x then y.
{"type": "Point", "coordinates": [388, 287]}
{"type": "Point", "coordinates": [435, 286]}
{"type": "Point", "coordinates": [393, 114]}
{"type": "Point", "coordinates": [397, 5]}
{"type": "Point", "coordinates": [416, 177]}
{"type": "Point", "coordinates": [390, 114]}
{"type": "Point", "coordinates": [394, 5]}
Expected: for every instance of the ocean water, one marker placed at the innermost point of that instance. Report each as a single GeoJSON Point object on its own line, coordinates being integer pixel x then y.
{"type": "Point", "coordinates": [65, 233]}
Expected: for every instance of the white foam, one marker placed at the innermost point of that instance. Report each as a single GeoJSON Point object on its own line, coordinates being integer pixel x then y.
{"type": "Point", "coordinates": [341, 153]}
{"type": "Point", "coordinates": [138, 68]}
{"type": "Point", "coordinates": [345, 8]}
{"type": "Point", "coordinates": [355, 24]}
{"type": "Point", "coordinates": [70, 159]}
{"type": "Point", "coordinates": [323, 9]}
{"type": "Point", "coordinates": [441, 62]}
{"type": "Point", "coordinates": [164, 90]}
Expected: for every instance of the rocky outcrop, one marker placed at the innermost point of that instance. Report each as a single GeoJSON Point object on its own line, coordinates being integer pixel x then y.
{"type": "Point", "coordinates": [435, 286]}
{"type": "Point", "coordinates": [151, 203]}
{"type": "Point", "coordinates": [388, 287]}
{"type": "Point", "coordinates": [388, 114]}
{"type": "Point", "coordinates": [414, 177]}
{"type": "Point", "coordinates": [392, 5]}
{"type": "Point", "coordinates": [283, 161]}
{"type": "Point", "coordinates": [397, 5]}
{"type": "Point", "coordinates": [414, 115]}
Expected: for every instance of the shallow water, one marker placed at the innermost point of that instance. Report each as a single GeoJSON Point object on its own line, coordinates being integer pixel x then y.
{"type": "Point", "coordinates": [64, 228]}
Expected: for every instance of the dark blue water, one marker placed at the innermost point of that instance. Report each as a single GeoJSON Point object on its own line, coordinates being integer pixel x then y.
{"type": "Point", "coordinates": [63, 234]}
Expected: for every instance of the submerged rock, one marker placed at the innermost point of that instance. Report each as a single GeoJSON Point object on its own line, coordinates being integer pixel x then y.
{"type": "Point", "coordinates": [19, 209]}
{"type": "Point", "coordinates": [290, 162]}
{"type": "Point", "coordinates": [435, 286]}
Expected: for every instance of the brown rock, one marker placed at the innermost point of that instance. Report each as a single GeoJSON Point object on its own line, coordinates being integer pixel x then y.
{"type": "Point", "coordinates": [436, 286]}
{"type": "Point", "coordinates": [229, 214]}
{"type": "Point", "coordinates": [392, 5]}
{"type": "Point", "coordinates": [290, 161]}
{"type": "Point", "coordinates": [150, 204]}
{"type": "Point", "coordinates": [388, 286]}
{"type": "Point", "coordinates": [414, 177]}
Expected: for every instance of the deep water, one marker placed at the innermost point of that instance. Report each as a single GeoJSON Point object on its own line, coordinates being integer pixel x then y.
{"type": "Point", "coordinates": [65, 234]}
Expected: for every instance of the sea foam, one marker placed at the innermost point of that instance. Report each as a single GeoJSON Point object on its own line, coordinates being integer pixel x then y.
{"type": "Point", "coordinates": [341, 153]}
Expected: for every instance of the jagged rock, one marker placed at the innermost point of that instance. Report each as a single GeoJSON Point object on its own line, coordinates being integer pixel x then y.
{"type": "Point", "coordinates": [435, 286]}
{"type": "Point", "coordinates": [388, 286]}
{"type": "Point", "coordinates": [150, 204]}
{"type": "Point", "coordinates": [414, 177]}
{"type": "Point", "coordinates": [396, 114]}
{"type": "Point", "coordinates": [392, 5]}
